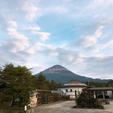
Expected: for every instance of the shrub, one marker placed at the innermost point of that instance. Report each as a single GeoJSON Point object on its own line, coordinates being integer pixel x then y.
{"type": "Point", "coordinates": [65, 97]}
{"type": "Point", "coordinates": [103, 101]}
{"type": "Point", "coordinates": [87, 100]}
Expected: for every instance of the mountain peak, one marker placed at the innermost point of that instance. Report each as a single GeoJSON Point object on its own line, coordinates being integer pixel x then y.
{"type": "Point", "coordinates": [55, 69]}
{"type": "Point", "coordinates": [57, 66]}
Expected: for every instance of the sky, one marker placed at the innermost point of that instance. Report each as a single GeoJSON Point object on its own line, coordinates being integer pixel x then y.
{"type": "Point", "coordinates": [77, 34]}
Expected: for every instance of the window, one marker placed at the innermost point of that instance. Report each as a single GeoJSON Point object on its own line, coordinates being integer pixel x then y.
{"type": "Point", "coordinates": [71, 90]}
{"type": "Point", "coordinates": [66, 90]}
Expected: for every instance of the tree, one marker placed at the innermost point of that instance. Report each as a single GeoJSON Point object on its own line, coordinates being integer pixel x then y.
{"type": "Point", "coordinates": [16, 84]}
{"type": "Point", "coordinates": [42, 83]}
{"type": "Point", "coordinates": [96, 84]}
{"type": "Point", "coordinates": [52, 85]}
{"type": "Point", "coordinates": [87, 100]}
{"type": "Point", "coordinates": [110, 83]}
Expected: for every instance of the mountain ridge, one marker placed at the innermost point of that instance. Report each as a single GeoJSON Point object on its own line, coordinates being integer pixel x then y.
{"type": "Point", "coordinates": [61, 74]}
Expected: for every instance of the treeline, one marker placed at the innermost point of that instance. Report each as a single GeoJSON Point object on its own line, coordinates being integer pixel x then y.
{"type": "Point", "coordinates": [42, 83]}
{"type": "Point", "coordinates": [100, 84]}
{"type": "Point", "coordinates": [17, 84]}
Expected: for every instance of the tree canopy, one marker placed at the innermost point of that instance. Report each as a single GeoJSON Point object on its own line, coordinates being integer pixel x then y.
{"type": "Point", "coordinates": [110, 83]}
{"type": "Point", "coordinates": [16, 84]}
{"type": "Point", "coordinates": [43, 83]}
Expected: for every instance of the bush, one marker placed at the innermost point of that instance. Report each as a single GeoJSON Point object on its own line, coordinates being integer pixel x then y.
{"type": "Point", "coordinates": [103, 101]}
{"type": "Point", "coordinates": [65, 97]}
{"type": "Point", "coordinates": [87, 100]}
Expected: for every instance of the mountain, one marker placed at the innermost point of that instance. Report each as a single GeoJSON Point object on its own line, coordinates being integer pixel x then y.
{"type": "Point", "coordinates": [61, 74]}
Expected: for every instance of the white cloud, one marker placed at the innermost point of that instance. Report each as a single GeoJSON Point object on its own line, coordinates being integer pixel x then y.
{"type": "Point", "coordinates": [106, 45]}
{"type": "Point", "coordinates": [30, 9]}
{"type": "Point", "coordinates": [19, 40]}
{"type": "Point", "coordinates": [67, 56]}
{"type": "Point", "coordinates": [92, 39]}
{"type": "Point", "coordinates": [99, 66]}
{"type": "Point", "coordinates": [42, 48]}
{"type": "Point", "coordinates": [35, 68]}
{"type": "Point", "coordinates": [60, 10]}
{"type": "Point", "coordinates": [56, 9]}
{"type": "Point", "coordinates": [16, 47]}
{"type": "Point", "coordinates": [32, 28]}
{"type": "Point", "coordinates": [42, 35]}
{"type": "Point", "coordinates": [100, 4]}
{"type": "Point", "coordinates": [90, 42]}
{"type": "Point", "coordinates": [12, 23]}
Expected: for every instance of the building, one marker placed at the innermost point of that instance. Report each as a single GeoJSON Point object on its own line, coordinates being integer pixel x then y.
{"type": "Point", "coordinates": [101, 92]}
{"type": "Point", "coordinates": [72, 88]}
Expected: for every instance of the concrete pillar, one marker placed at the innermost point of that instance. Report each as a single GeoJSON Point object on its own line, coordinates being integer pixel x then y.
{"type": "Point", "coordinates": [75, 94]}
{"type": "Point", "coordinates": [112, 94]}
{"type": "Point", "coordinates": [94, 94]}
{"type": "Point", "coordinates": [103, 94]}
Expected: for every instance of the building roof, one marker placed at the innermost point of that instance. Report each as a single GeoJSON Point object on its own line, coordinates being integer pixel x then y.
{"type": "Point", "coordinates": [75, 83]}
{"type": "Point", "coordinates": [100, 89]}
{"type": "Point", "coordinates": [41, 90]}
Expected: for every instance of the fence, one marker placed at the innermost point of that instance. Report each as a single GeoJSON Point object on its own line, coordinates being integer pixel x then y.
{"type": "Point", "coordinates": [45, 97]}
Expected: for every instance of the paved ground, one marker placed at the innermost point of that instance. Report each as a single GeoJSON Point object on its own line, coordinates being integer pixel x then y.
{"type": "Point", "coordinates": [109, 107]}
{"type": "Point", "coordinates": [66, 107]}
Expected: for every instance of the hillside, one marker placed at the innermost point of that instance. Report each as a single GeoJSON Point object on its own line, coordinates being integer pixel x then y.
{"type": "Point", "coordinates": [61, 74]}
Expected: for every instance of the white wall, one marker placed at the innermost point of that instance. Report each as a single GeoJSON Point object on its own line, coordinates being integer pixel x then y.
{"type": "Point", "coordinates": [109, 93]}
{"type": "Point", "coordinates": [71, 94]}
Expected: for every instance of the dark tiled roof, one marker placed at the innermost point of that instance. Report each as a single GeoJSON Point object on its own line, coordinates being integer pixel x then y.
{"type": "Point", "coordinates": [100, 89]}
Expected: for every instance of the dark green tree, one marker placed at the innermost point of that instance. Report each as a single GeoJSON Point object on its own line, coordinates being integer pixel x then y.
{"type": "Point", "coordinates": [110, 83]}
{"type": "Point", "coordinates": [87, 100]}
{"type": "Point", "coordinates": [52, 85]}
{"type": "Point", "coordinates": [96, 84]}
{"type": "Point", "coordinates": [16, 84]}
{"type": "Point", "coordinates": [42, 83]}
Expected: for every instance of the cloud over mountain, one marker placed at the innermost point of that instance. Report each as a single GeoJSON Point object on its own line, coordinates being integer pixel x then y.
{"type": "Point", "coordinates": [40, 33]}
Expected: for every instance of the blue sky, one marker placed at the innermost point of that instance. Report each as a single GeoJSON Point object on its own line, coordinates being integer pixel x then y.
{"type": "Point", "coordinates": [77, 34]}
